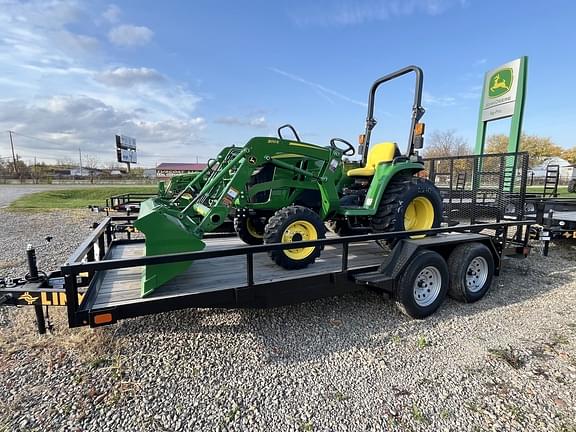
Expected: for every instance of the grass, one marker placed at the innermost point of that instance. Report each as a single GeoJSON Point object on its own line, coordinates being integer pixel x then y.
{"type": "Point", "coordinates": [562, 190]}
{"type": "Point", "coordinates": [508, 356]}
{"type": "Point", "coordinates": [74, 198]}
{"type": "Point", "coordinates": [418, 415]}
{"type": "Point", "coordinates": [422, 342]}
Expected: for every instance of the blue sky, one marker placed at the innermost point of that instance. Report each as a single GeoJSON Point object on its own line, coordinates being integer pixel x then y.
{"type": "Point", "coordinates": [188, 77]}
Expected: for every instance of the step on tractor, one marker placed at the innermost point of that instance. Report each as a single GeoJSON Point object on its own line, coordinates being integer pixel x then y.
{"type": "Point", "coordinates": [281, 190]}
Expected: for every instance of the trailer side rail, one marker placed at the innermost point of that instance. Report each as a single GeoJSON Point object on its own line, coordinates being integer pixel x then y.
{"type": "Point", "coordinates": [90, 257]}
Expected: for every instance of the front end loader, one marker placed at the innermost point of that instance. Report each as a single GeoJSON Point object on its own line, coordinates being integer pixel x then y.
{"type": "Point", "coordinates": [253, 182]}
{"type": "Point", "coordinates": [284, 190]}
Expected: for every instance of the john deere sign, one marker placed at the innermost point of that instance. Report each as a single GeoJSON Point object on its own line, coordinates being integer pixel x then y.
{"type": "Point", "coordinates": [502, 97]}
{"type": "Point", "coordinates": [500, 83]}
{"type": "Point", "coordinates": [500, 87]}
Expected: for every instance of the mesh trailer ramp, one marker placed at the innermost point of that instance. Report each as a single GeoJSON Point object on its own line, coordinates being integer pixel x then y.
{"type": "Point", "coordinates": [99, 284]}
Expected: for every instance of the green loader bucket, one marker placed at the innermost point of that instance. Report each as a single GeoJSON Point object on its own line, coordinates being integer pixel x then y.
{"type": "Point", "coordinates": [165, 234]}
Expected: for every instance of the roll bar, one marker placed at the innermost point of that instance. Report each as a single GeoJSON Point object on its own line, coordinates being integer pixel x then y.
{"type": "Point", "coordinates": [417, 110]}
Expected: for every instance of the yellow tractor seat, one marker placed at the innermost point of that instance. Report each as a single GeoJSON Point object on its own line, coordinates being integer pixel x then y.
{"type": "Point", "coordinates": [378, 153]}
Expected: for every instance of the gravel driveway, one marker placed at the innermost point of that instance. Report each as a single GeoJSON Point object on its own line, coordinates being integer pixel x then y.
{"type": "Point", "coordinates": [354, 363]}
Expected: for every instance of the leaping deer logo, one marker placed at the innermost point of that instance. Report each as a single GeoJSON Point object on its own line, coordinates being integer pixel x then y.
{"type": "Point", "coordinates": [499, 83]}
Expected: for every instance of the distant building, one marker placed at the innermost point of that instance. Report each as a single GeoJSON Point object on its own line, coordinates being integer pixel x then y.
{"type": "Point", "coordinates": [149, 172]}
{"type": "Point", "coordinates": [77, 172]}
{"type": "Point", "coordinates": [565, 168]}
{"type": "Point", "coordinates": [167, 170]}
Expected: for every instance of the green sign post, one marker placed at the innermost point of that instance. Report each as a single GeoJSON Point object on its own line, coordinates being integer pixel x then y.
{"type": "Point", "coordinates": [503, 97]}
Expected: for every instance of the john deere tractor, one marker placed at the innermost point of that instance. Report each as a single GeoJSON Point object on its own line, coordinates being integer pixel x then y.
{"type": "Point", "coordinates": [284, 190]}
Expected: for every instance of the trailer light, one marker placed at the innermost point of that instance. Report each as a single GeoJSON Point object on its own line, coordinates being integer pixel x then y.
{"type": "Point", "coordinates": [419, 129]}
{"type": "Point", "coordinates": [361, 139]}
{"type": "Point", "coordinates": [103, 318]}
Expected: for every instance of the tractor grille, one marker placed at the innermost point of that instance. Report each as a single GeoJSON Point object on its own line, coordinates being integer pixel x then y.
{"type": "Point", "coordinates": [481, 189]}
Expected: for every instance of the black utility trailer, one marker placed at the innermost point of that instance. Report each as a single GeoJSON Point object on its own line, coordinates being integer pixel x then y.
{"type": "Point", "coordinates": [484, 220]}
{"type": "Point", "coordinates": [100, 283]}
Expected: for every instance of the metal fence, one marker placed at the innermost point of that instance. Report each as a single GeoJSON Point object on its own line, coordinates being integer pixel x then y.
{"type": "Point", "coordinates": [481, 188]}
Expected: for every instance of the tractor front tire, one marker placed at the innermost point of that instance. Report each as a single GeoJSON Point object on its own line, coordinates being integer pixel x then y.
{"type": "Point", "coordinates": [250, 229]}
{"type": "Point", "coordinates": [408, 204]}
{"type": "Point", "coordinates": [294, 223]}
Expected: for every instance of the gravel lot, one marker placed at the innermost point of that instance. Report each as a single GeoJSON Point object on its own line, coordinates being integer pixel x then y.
{"type": "Point", "coordinates": [507, 362]}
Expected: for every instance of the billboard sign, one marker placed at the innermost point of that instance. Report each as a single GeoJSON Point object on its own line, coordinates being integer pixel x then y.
{"type": "Point", "coordinates": [126, 149]}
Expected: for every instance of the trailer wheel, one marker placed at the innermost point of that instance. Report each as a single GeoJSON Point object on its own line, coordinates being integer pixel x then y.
{"type": "Point", "coordinates": [294, 223]}
{"type": "Point", "coordinates": [422, 287]}
{"type": "Point", "coordinates": [250, 229]}
{"type": "Point", "coordinates": [471, 268]}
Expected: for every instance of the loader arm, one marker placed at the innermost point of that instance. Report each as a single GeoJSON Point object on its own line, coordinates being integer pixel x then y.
{"type": "Point", "coordinates": [171, 228]}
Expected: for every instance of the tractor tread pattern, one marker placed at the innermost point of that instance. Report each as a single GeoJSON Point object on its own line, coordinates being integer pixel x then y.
{"type": "Point", "coordinates": [275, 227]}
{"type": "Point", "coordinates": [243, 232]}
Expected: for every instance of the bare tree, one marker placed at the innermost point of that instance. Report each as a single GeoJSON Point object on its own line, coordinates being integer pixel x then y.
{"type": "Point", "coordinates": [446, 143]}
{"type": "Point", "coordinates": [90, 161]}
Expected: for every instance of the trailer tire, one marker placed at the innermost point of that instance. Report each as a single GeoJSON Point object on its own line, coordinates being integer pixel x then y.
{"type": "Point", "coordinates": [294, 223]}
{"type": "Point", "coordinates": [408, 203]}
{"type": "Point", "coordinates": [471, 268]}
{"type": "Point", "coordinates": [422, 287]}
{"type": "Point", "coordinates": [250, 229]}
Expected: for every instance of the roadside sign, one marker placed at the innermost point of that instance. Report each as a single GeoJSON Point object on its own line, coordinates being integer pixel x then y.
{"type": "Point", "coordinates": [503, 97]}
{"type": "Point", "coordinates": [500, 91]}
{"type": "Point", "coordinates": [126, 149]}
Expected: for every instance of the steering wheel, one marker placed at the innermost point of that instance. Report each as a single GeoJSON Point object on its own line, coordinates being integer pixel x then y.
{"type": "Point", "coordinates": [349, 151]}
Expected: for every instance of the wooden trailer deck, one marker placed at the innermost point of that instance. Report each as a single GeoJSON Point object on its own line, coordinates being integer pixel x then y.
{"type": "Point", "coordinates": [122, 286]}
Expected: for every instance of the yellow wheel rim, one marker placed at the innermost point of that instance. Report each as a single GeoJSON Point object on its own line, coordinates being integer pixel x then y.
{"type": "Point", "coordinates": [299, 231]}
{"type": "Point", "coordinates": [252, 229]}
{"type": "Point", "coordinates": [419, 215]}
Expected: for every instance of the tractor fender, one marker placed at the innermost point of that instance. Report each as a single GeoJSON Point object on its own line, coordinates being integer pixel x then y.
{"type": "Point", "coordinates": [382, 177]}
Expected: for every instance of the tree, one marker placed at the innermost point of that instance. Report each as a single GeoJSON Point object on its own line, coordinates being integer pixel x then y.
{"type": "Point", "coordinates": [90, 161]}
{"type": "Point", "coordinates": [446, 143]}
{"type": "Point", "coordinates": [538, 148]}
{"type": "Point", "coordinates": [570, 155]}
{"type": "Point", "coordinates": [496, 144]}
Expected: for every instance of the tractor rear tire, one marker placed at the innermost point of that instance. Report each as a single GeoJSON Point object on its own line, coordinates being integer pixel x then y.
{"type": "Point", "coordinates": [250, 229]}
{"type": "Point", "coordinates": [294, 223]}
{"type": "Point", "coordinates": [408, 204]}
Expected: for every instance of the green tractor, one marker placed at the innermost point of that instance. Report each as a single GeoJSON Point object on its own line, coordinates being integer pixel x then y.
{"type": "Point", "coordinates": [284, 190]}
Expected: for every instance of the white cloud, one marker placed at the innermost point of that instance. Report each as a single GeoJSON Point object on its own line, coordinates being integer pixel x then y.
{"type": "Point", "coordinates": [69, 122]}
{"type": "Point", "coordinates": [59, 85]}
{"type": "Point", "coordinates": [255, 122]}
{"type": "Point", "coordinates": [127, 35]}
{"type": "Point", "coordinates": [129, 77]}
{"type": "Point", "coordinates": [329, 13]}
{"type": "Point", "coordinates": [112, 14]}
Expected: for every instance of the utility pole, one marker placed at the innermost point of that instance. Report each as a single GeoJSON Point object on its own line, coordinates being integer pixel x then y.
{"type": "Point", "coordinates": [13, 154]}
{"type": "Point", "coordinates": [80, 152]}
